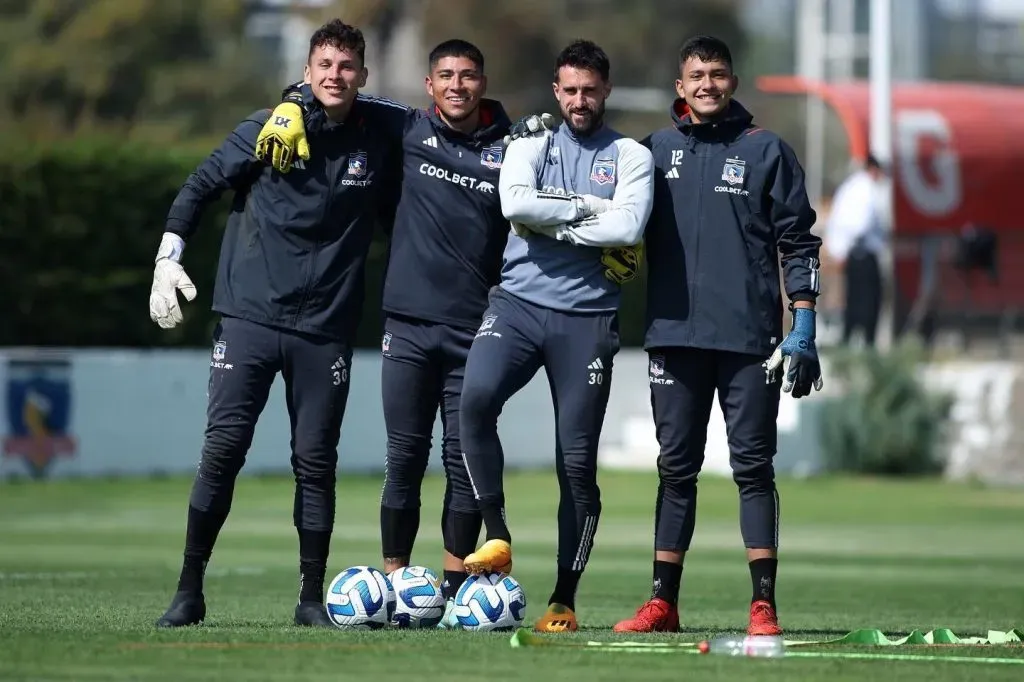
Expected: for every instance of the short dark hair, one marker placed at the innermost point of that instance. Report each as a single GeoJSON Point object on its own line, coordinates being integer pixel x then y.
{"type": "Point", "coordinates": [584, 54]}
{"type": "Point", "coordinates": [706, 49]}
{"type": "Point", "coordinates": [456, 48]}
{"type": "Point", "coordinates": [339, 35]}
{"type": "Point", "coordinates": [872, 163]}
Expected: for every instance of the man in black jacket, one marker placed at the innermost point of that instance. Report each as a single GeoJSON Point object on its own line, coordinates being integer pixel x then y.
{"type": "Point", "coordinates": [289, 289]}
{"type": "Point", "coordinates": [445, 255]}
{"type": "Point", "coordinates": [729, 201]}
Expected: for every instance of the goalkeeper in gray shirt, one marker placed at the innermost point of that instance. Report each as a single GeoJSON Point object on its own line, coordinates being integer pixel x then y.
{"type": "Point", "coordinates": [578, 198]}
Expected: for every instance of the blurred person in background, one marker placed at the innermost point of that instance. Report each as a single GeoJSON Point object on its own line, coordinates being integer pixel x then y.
{"type": "Point", "coordinates": [855, 238]}
{"type": "Point", "coordinates": [729, 201]}
{"type": "Point", "coordinates": [443, 258]}
{"type": "Point", "coordinates": [289, 289]}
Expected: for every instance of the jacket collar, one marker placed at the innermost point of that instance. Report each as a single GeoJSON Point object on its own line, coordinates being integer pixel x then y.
{"type": "Point", "coordinates": [736, 118]}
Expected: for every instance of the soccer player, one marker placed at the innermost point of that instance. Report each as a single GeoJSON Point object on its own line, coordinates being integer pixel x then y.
{"type": "Point", "coordinates": [289, 290]}
{"type": "Point", "coordinates": [444, 256]}
{"type": "Point", "coordinates": [729, 202]}
{"type": "Point", "coordinates": [568, 193]}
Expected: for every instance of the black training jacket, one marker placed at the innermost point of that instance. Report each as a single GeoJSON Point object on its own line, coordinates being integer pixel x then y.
{"type": "Point", "coordinates": [449, 231]}
{"type": "Point", "coordinates": [294, 252]}
{"type": "Point", "coordinates": [729, 201]}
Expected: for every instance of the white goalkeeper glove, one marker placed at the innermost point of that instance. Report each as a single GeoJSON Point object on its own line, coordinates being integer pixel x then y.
{"type": "Point", "coordinates": [529, 125]}
{"type": "Point", "coordinates": [169, 278]}
{"type": "Point", "coordinates": [588, 205]}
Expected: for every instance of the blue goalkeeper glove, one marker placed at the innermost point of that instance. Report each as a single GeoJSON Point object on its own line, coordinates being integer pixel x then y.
{"type": "Point", "coordinates": [797, 356]}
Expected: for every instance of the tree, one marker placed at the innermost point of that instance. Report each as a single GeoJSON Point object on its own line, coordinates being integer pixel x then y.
{"type": "Point", "coordinates": [168, 69]}
{"type": "Point", "coordinates": [522, 38]}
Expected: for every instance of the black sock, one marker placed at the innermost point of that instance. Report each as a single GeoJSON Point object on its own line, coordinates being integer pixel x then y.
{"type": "Point", "coordinates": [452, 582]}
{"type": "Point", "coordinates": [192, 571]}
{"type": "Point", "coordinates": [762, 577]}
{"type": "Point", "coordinates": [667, 577]}
{"type": "Point", "coordinates": [314, 547]}
{"type": "Point", "coordinates": [494, 520]}
{"type": "Point", "coordinates": [200, 537]}
{"type": "Point", "coordinates": [565, 587]}
{"type": "Point", "coordinates": [398, 528]}
{"type": "Point", "coordinates": [460, 531]}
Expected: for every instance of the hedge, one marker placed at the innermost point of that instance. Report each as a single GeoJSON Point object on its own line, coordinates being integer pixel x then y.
{"type": "Point", "coordinates": [79, 225]}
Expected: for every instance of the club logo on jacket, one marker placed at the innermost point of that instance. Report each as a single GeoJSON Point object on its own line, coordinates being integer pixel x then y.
{"type": "Point", "coordinates": [734, 170]}
{"type": "Point", "coordinates": [492, 156]}
{"type": "Point", "coordinates": [357, 164]}
{"type": "Point", "coordinates": [734, 173]}
{"type": "Point", "coordinates": [357, 174]}
{"type": "Point", "coordinates": [603, 171]}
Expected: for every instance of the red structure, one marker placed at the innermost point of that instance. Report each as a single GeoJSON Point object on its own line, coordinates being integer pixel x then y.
{"type": "Point", "coordinates": [958, 156]}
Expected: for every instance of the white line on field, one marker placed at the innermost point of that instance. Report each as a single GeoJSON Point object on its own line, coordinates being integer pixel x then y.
{"type": "Point", "coordinates": [83, 575]}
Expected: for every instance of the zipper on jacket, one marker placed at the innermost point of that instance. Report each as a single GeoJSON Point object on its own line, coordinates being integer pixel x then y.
{"type": "Point", "coordinates": [696, 245]}
{"type": "Point", "coordinates": [331, 182]}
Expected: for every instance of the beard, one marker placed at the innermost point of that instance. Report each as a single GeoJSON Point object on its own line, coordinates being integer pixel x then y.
{"type": "Point", "coordinates": [593, 120]}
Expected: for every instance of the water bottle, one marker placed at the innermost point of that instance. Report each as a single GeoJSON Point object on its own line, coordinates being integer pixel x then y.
{"type": "Point", "coordinates": [757, 646]}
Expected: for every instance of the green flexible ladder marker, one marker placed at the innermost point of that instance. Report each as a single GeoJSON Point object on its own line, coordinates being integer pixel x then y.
{"type": "Point", "coordinates": [524, 637]}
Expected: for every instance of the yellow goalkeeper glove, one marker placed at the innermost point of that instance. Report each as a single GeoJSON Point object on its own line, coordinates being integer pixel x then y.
{"type": "Point", "coordinates": [622, 263]}
{"type": "Point", "coordinates": [283, 136]}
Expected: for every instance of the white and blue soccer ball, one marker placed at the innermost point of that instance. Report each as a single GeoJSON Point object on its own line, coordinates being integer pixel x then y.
{"type": "Point", "coordinates": [418, 599]}
{"type": "Point", "coordinates": [360, 597]}
{"type": "Point", "coordinates": [491, 601]}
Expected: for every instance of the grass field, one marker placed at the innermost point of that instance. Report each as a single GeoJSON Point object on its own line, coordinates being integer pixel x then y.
{"type": "Point", "coordinates": [85, 568]}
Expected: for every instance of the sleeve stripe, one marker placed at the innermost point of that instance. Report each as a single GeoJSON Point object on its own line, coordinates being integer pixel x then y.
{"type": "Point", "coordinates": [812, 265]}
{"type": "Point", "coordinates": [550, 195]}
{"type": "Point", "coordinates": [382, 100]}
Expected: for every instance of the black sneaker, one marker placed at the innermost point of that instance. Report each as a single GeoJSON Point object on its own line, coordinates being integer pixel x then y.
{"type": "Point", "coordinates": [187, 608]}
{"type": "Point", "coordinates": [312, 614]}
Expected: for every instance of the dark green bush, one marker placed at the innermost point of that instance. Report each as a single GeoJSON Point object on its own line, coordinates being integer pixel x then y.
{"type": "Point", "coordinates": [80, 221]}
{"type": "Point", "coordinates": [887, 422]}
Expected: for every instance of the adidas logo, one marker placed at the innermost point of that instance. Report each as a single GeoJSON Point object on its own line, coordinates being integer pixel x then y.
{"type": "Point", "coordinates": [431, 142]}
{"type": "Point", "coordinates": [596, 365]}
{"type": "Point", "coordinates": [674, 173]}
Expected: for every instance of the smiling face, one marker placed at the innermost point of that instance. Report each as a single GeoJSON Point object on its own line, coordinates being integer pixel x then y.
{"type": "Point", "coordinates": [456, 84]}
{"type": "Point", "coordinates": [335, 75]}
{"type": "Point", "coordinates": [707, 87]}
{"type": "Point", "coordinates": [581, 94]}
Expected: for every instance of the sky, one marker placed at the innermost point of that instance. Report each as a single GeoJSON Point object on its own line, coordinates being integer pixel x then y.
{"type": "Point", "coordinates": [1007, 10]}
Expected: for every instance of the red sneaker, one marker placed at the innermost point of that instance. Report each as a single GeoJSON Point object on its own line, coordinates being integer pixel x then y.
{"type": "Point", "coordinates": [763, 620]}
{"type": "Point", "coordinates": [657, 615]}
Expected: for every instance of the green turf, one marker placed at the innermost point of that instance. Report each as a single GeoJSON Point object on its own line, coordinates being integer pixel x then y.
{"type": "Point", "coordinates": [85, 567]}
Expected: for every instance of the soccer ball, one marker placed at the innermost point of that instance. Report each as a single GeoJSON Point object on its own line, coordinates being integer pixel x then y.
{"type": "Point", "coordinates": [360, 597]}
{"type": "Point", "coordinates": [492, 601]}
{"type": "Point", "coordinates": [418, 599]}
